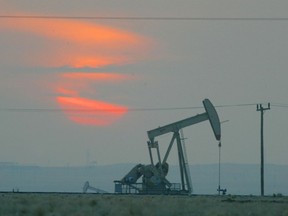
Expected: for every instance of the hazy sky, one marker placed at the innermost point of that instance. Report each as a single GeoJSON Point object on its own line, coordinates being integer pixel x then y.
{"type": "Point", "coordinates": [122, 67]}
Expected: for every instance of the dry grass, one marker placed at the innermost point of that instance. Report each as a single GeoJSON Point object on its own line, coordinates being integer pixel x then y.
{"type": "Point", "coordinates": [21, 204]}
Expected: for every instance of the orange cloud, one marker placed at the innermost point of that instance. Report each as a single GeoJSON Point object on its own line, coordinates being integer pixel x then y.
{"type": "Point", "coordinates": [75, 31]}
{"type": "Point", "coordinates": [87, 111]}
{"type": "Point", "coordinates": [80, 44]}
{"type": "Point", "coordinates": [74, 83]}
{"type": "Point", "coordinates": [91, 112]}
{"type": "Point", "coordinates": [92, 61]}
{"type": "Point", "coordinates": [96, 76]}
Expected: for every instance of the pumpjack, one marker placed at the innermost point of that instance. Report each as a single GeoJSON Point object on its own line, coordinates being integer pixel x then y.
{"type": "Point", "coordinates": [154, 175]}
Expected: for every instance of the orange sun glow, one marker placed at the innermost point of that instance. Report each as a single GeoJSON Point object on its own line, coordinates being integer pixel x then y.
{"type": "Point", "coordinates": [86, 111]}
{"type": "Point", "coordinates": [81, 44]}
{"type": "Point", "coordinates": [91, 112]}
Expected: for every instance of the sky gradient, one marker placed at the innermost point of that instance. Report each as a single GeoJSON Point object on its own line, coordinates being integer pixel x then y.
{"type": "Point", "coordinates": [123, 71]}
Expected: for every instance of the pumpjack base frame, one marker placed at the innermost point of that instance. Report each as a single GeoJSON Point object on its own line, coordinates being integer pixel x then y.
{"type": "Point", "coordinates": [140, 188]}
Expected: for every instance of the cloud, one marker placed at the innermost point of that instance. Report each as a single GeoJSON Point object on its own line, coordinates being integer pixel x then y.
{"type": "Point", "coordinates": [74, 83]}
{"type": "Point", "coordinates": [96, 76]}
{"type": "Point", "coordinates": [86, 111]}
{"type": "Point", "coordinates": [91, 112]}
{"type": "Point", "coordinates": [77, 44]}
{"type": "Point", "coordinates": [80, 45]}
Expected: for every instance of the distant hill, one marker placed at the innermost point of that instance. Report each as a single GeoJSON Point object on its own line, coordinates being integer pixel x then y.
{"type": "Point", "coordinates": [237, 178]}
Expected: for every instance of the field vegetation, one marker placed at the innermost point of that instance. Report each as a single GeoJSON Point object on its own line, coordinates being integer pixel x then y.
{"type": "Point", "coordinates": [20, 204]}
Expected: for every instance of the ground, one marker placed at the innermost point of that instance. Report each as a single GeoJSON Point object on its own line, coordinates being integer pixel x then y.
{"type": "Point", "coordinates": [55, 204]}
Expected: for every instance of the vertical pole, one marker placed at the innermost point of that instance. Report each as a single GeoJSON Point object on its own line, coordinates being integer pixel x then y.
{"type": "Point", "coordinates": [262, 152]}
{"type": "Point", "coordinates": [219, 169]}
{"type": "Point", "coordinates": [262, 109]}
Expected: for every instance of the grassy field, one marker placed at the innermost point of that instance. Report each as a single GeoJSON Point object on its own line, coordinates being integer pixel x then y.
{"type": "Point", "coordinates": [91, 204]}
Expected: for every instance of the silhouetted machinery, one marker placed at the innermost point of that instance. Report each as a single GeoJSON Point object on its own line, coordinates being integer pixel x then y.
{"type": "Point", "coordinates": [154, 175]}
{"type": "Point", "coordinates": [87, 187]}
